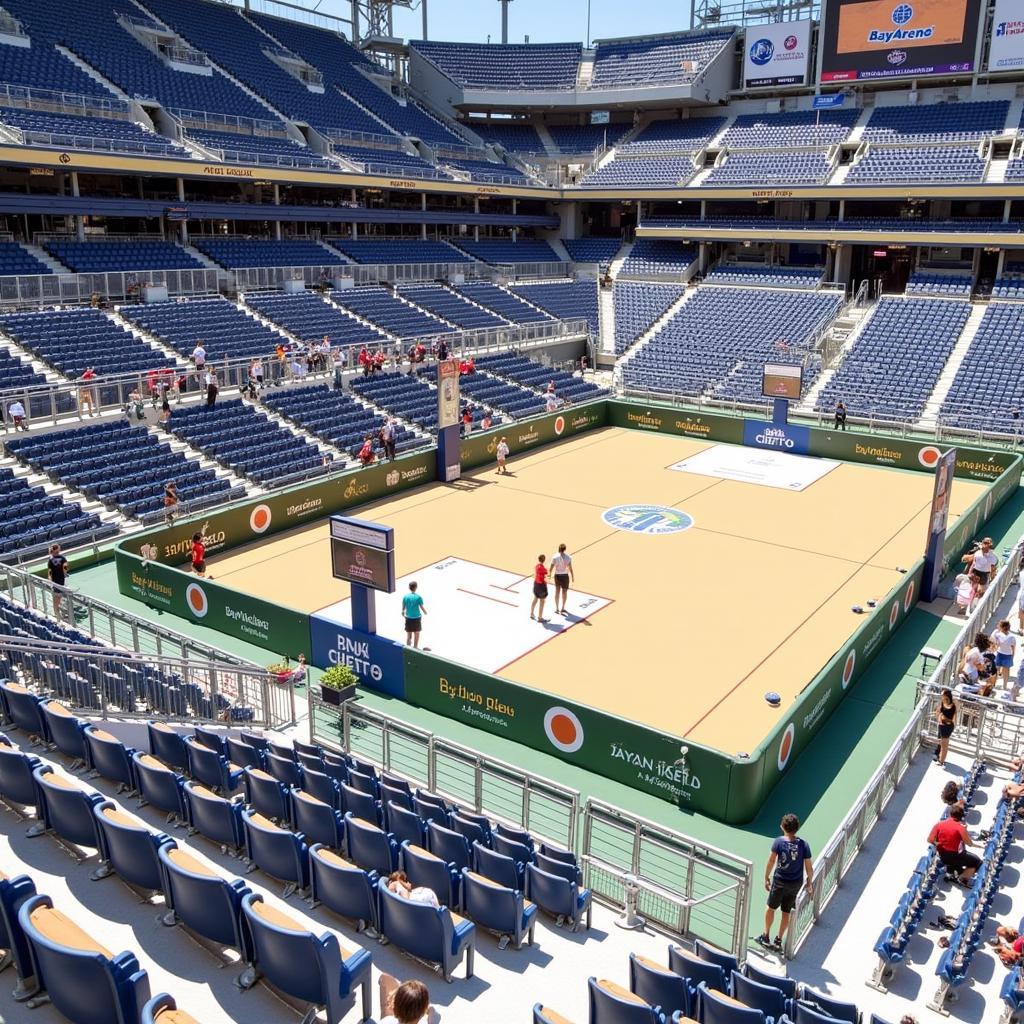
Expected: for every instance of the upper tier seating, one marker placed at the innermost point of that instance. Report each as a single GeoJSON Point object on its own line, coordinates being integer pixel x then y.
{"type": "Point", "coordinates": [247, 441]}
{"type": "Point", "coordinates": [917, 164]}
{"type": "Point", "coordinates": [237, 46]}
{"type": "Point", "coordinates": [382, 160]}
{"type": "Point", "coordinates": [224, 329]}
{"type": "Point", "coordinates": [443, 302]}
{"type": "Point", "coordinates": [309, 318]}
{"type": "Point", "coordinates": [677, 136]}
{"type": "Point", "coordinates": [109, 257]}
{"type": "Point", "coordinates": [637, 307]}
{"type": "Point", "coordinates": [659, 61]}
{"type": "Point", "coordinates": [751, 276]}
{"type": "Point", "coordinates": [32, 518]}
{"type": "Point", "coordinates": [873, 224]}
{"type": "Point", "coordinates": [238, 253]}
{"type": "Point", "coordinates": [515, 136]}
{"type": "Point", "coordinates": [121, 466]}
{"type": "Point", "coordinates": [721, 337]}
{"type": "Point", "coordinates": [570, 300]}
{"type": "Point", "coordinates": [90, 29]}
{"type": "Point", "coordinates": [389, 313]}
{"type": "Point", "coordinates": [16, 260]}
{"type": "Point", "coordinates": [508, 67]}
{"type": "Point", "coordinates": [500, 251]}
{"type": "Point", "coordinates": [894, 364]}
{"type": "Point", "coordinates": [346, 68]}
{"type": "Point", "coordinates": [1010, 285]}
{"type": "Point", "coordinates": [750, 167]}
{"type": "Point", "coordinates": [642, 172]}
{"type": "Point", "coordinates": [532, 374]}
{"type": "Point", "coordinates": [65, 130]}
{"type": "Point", "coordinates": [593, 250]}
{"type": "Point", "coordinates": [503, 302]}
{"type": "Point", "coordinates": [394, 250]}
{"type": "Point", "coordinates": [655, 256]}
{"type": "Point", "coordinates": [988, 370]}
{"type": "Point", "coordinates": [335, 416]}
{"type": "Point", "coordinates": [487, 170]}
{"type": "Point", "coordinates": [243, 148]}
{"type": "Point", "coordinates": [793, 128]}
{"type": "Point", "coordinates": [73, 339]}
{"type": "Point", "coordinates": [585, 138]}
{"type": "Point", "coordinates": [926, 282]}
{"type": "Point", "coordinates": [937, 122]}
{"type": "Point", "coordinates": [40, 66]}
{"type": "Point", "coordinates": [1015, 169]}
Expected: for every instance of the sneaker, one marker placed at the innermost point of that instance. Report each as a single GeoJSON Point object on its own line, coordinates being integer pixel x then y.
{"type": "Point", "coordinates": [777, 944]}
{"type": "Point", "coordinates": [764, 940]}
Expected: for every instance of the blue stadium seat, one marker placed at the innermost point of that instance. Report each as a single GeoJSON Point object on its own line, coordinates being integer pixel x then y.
{"type": "Point", "coordinates": [498, 867]}
{"type": "Point", "coordinates": [13, 944]}
{"type": "Point", "coordinates": [659, 986]}
{"type": "Point", "coordinates": [563, 899]}
{"type": "Point", "coordinates": [130, 848]}
{"type": "Point", "coordinates": [498, 909]}
{"type": "Point", "coordinates": [319, 823]}
{"type": "Point", "coordinates": [17, 779]}
{"type": "Point", "coordinates": [110, 758]}
{"type": "Point", "coordinates": [610, 1004]}
{"type": "Point", "coordinates": [212, 768]}
{"type": "Point", "coordinates": [161, 787]}
{"type": "Point", "coordinates": [163, 1008]}
{"type": "Point", "coordinates": [344, 888]}
{"type": "Point", "coordinates": [277, 851]}
{"type": "Point", "coordinates": [428, 871]}
{"type": "Point", "coordinates": [66, 732]}
{"type": "Point", "coordinates": [214, 817]}
{"type": "Point", "coordinates": [370, 847]}
{"type": "Point", "coordinates": [717, 1008]}
{"type": "Point", "coordinates": [66, 810]}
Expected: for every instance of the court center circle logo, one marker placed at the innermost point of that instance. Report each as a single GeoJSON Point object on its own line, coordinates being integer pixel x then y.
{"type": "Point", "coordinates": [649, 519]}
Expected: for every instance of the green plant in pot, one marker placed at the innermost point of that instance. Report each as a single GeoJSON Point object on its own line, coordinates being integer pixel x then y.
{"type": "Point", "coordinates": [337, 683]}
{"type": "Point", "coordinates": [281, 669]}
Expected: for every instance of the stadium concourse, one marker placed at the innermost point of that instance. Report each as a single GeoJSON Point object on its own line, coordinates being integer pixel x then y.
{"type": "Point", "coordinates": [238, 243]}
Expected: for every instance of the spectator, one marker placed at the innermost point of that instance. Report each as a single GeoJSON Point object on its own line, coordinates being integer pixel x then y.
{"type": "Point", "coordinates": [976, 674]}
{"type": "Point", "coordinates": [486, 423]}
{"type": "Point", "coordinates": [86, 395]}
{"type": "Point", "coordinates": [1009, 945]}
{"type": "Point", "coordinates": [199, 358]}
{"type": "Point", "coordinates": [951, 795]}
{"type": "Point", "coordinates": [945, 715]}
{"type": "Point", "coordinates": [165, 412]}
{"type": "Point", "coordinates": [170, 502]}
{"type": "Point", "coordinates": [256, 371]}
{"type": "Point", "coordinates": [467, 420]}
{"type": "Point", "coordinates": [408, 1003]}
{"type": "Point", "coordinates": [387, 438]}
{"type": "Point", "coordinates": [413, 610]}
{"type": "Point", "coordinates": [364, 361]}
{"type": "Point", "coordinates": [983, 560]}
{"type": "Point", "coordinates": [840, 416]}
{"type": "Point", "coordinates": [1006, 647]}
{"type": "Point", "coordinates": [966, 593]}
{"type": "Point", "coordinates": [502, 455]}
{"type": "Point", "coordinates": [198, 555]}
{"type": "Point", "coordinates": [297, 676]}
{"type": "Point", "coordinates": [442, 350]}
{"type": "Point", "coordinates": [366, 452]}
{"type": "Point", "coordinates": [57, 572]}
{"type": "Point", "coordinates": [951, 839]}
{"type": "Point", "coordinates": [211, 388]}
{"type": "Point", "coordinates": [379, 359]}
{"type": "Point", "coordinates": [339, 370]}
{"type": "Point", "coordinates": [552, 402]}
{"type": "Point", "coordinates": [17, 413]}
{"type": "Point", "coordinates": [399, 884]}
{"type": "Point", "coordinates": [788, 863]}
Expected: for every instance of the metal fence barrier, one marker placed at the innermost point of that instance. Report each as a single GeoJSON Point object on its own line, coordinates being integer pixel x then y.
{"type": "Point", "coordinates": [50, 289]}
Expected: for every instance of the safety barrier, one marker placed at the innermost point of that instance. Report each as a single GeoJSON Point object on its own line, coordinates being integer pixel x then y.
{"type": "Point", "coordinates": [51, 289]}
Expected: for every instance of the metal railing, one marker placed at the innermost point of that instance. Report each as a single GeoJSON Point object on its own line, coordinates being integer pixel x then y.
{"type": "Point", "coordinates": [160, 146]}
{"type": "Point", "coordinates": [228, 122]}
{"type": "Point", "coordinates": [685, 886]}
{"type": "Point", "coordinates": [32, 98]}
{"type": "Point", "coordinates": [985, 727]}
{"type": "Point", "coordinates": [490, 786]}
{"type": "Point", "coordinates": [51, 289]}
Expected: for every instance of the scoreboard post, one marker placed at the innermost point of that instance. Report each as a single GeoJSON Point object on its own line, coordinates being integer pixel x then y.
{"type": "Point", "coordinates": [449, 447]}
{"type": "Point", "coordinates": [363, 553]}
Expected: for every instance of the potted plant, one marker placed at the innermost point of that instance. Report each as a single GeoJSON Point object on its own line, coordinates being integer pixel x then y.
{"type": "Point", "coordinates": [337, 684]}
{"type": "Point", "coordinates": [281, 669]}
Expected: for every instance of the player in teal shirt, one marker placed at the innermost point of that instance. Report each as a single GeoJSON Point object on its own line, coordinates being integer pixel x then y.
{"type": "Point", "coordinates": [413, 609]}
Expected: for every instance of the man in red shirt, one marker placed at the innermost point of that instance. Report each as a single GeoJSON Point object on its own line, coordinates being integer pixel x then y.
{"type": "Point", "coordinates": [951, 839]}
{"type": "Point", "coordinates": [198, 555]}
{"type": "Point", "coordinates": [364, 361]}
{"type": "Point", "coordinates": [366, 452]}
{"type": "Point", "coordinates": [540, 589]}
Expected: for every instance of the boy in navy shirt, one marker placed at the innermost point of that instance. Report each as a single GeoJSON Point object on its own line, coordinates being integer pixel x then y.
{"type": "Point", "coordinates": [788, 863]}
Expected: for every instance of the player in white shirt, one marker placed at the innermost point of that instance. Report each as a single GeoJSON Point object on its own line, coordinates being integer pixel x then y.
{"type": "Point", "coordinates": [561, 569]}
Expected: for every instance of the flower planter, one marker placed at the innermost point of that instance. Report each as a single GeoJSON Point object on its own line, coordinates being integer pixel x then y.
{"type": "Point", "coordinates": [332, 695]}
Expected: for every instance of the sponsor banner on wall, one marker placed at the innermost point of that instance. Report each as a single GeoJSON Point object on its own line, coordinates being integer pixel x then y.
{"type": "Point", "coordinates": [1006, 46]}
{"type": "Point", "coordinates": [777, 54]}
{"type": "Point", "coordinates": [377, 661]}
{"type": "Point", "coordinates": [778, 437]}
{"type": "Point", "coordinates": [700, 426]}
{"type": "Point", "coordinates": [615, 748]}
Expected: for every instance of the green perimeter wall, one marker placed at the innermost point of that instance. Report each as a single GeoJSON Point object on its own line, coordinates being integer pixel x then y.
{"type": "Point", "coordinates": [722, 785]}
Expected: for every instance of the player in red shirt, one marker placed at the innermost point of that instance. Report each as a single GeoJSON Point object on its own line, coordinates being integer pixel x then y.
{"type": "Point", "coordinates": [86, 395]}
{"type": "Point", "coordinates": [540, 589]}
{"type": "Point", "coordinates": [198, 555]}
{"type": "Point", "coordinates": [951, 840]}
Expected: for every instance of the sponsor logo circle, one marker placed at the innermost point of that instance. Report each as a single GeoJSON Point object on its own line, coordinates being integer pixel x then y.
{"type": "Point", "coordinates": [649, 519]}
{"type": "Point", "coordinates": [894, 613]}
{"type": "Point", "coordinates": [195, 598]}
{"type": "Point", "coordinates": [929, 456]}
{"type": "Point", "coordinates": [902, 13]}
{"type": "Point", "coordinates": [260, 519]}
{"type": "Point", "coordinates": [790, 43]}
{"type": "Point", "coordinates": [559, 425]}
{"type": "Point", "coordinates": [908, 597]}
{"type": "Point", "coordinates": [786, 746]}
{"type": "Point", "coordinates": [851, 660]}
{"type": "Point", "coordinates": [563, 729]}
{"type": "Point", "coordinates": [762, 52]}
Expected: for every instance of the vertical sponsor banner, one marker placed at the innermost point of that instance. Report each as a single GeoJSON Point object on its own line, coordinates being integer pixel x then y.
{"type": "Point", "coordinates": [938, 518]}
{"type": "Point", "coordinates": [777, 54]}
{"type": "Point", "coordinates": [447, 393]}
{"type": "Point", "coordinates": [449, 454]}
{"type": "Point", "coordinates": [1006, 45]}
{"type": "Point", "coordinates": [377, 661]}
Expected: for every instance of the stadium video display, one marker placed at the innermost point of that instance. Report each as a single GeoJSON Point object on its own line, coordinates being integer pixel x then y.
{"type": "Point", "coordinates": [876, 39]}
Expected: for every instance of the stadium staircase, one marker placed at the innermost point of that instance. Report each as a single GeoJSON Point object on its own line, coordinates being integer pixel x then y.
{"type": "Point", "coordinates": [586, 72]}
{"type": "Point", "coordinates": [203, 258]}
{"type": "Point", "coordinates": [946, 378]}
{"type": "Point", "coordinates": [858, 129]}
{"type": "Point", "coordinates": [545, 136]}
{"type": "Point", "coordinates": [658, 324]}
{"type": "Point", "coordinates": [44, 257]}
{"type": "Point", "coordinates": [150, 339]}
{"type": "Point", "coordinates": [615, 268]}
{"type": "Point", "coordinates": [563, 253]}
{"type": "Point", "coordinates": [95, 75]}
{"type": "Point", "coordinates": [844, 333]}
{"type": "Point", "coordinates": [606, 315]}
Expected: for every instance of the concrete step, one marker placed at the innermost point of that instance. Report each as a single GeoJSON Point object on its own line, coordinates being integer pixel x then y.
{"type": "Point", "coordinates": [44, 257]}
{"type": "Point", "coordinates": [942, 386]}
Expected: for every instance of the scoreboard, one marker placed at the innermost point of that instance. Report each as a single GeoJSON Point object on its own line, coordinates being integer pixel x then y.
{"type": "Point", "coordinates": [363, 552]}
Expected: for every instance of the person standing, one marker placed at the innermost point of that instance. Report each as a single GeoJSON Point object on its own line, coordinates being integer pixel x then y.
{"type": "Point", "coordinates": [945, 715]}
{"type": "Point", "coordinates": [413, 610]}
{"type": "Point", "coordinates": [502, 453]}
{"type": "Point", "coordinates": [86, 395]}
{"type": "Point", "coordinates": [17, 413]}
{"type": "Point", "coordinates": [170, 502]}
{"type": "Point", "coordinates": [387, 438]}
{"type": "Point", "coordinates": [540, 589]}
{"type": "Point", "coordinates": [57, 572]}
{"type": "Point", "coordinates": [788, 863]}
{"type": "Point", "coordinates": [1006, 647]}
{"type": "Point", "coordinates": [198, 555]}
{"type": "Point", "coordinates": [840, 416]}
{"type": "Point", "coordinates": [983, 561]}
{"type": "Point", "coordinates": [562, 570]}
{"type": "Point", "coordinates": [211, 389]}
{"type": "Point", "coordinates": [951, 839]}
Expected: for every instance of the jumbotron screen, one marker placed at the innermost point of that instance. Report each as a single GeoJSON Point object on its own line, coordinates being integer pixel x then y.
{"type": "Point", "coordinates": [874, 39]}
{"type": "Point", "coordinates": [782, 380]}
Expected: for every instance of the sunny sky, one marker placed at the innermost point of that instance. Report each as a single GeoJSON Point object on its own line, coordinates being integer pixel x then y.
{"type": "Point", "coordinates": [544, 21]}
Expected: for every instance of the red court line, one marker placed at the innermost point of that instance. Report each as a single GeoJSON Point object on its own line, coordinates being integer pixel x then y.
{"type": "Point", "coordinates": [554, 636]}
{"type": "Point", "coordinates": [487, 597]}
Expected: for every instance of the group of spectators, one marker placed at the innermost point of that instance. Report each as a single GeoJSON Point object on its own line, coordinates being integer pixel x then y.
{"type": "Point", "coordinates": [387, 440]}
